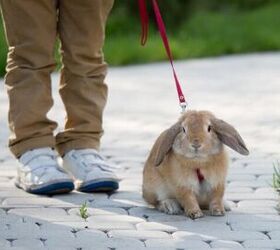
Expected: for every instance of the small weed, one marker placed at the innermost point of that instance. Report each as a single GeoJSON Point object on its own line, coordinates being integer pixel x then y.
{"type": "Point", "coordinates": [276, 177]}
{"type": "Point", "coordinates": [84, 211]}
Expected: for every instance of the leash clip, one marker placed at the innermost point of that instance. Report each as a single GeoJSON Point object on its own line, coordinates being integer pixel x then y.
{"type": "Point", "coordinates": [183, 106]}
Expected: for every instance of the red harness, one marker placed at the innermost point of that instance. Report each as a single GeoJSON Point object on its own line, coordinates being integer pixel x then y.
{"type": "Point", "coordinates": [200, 176]}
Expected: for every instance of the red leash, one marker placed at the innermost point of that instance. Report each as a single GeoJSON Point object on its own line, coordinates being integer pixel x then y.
{"type": "Point", "coordinates": [161, 27]}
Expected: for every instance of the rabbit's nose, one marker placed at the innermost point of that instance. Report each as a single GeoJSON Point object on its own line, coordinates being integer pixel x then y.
{"type": "Point", "coordinates": [196, 145]}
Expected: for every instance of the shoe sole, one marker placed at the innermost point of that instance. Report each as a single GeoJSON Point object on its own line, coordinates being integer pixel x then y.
{"type": "Point", "coordinates": [49, 189]}
{"type": "Point", "coordinates": [99, 186]}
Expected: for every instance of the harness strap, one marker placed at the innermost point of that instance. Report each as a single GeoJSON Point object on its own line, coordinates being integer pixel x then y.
{"type": "Point", "coordinates": [200, 176]}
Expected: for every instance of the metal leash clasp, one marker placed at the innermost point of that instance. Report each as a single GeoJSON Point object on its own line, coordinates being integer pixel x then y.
{"type": "Point", "coordinates": [184, 106]}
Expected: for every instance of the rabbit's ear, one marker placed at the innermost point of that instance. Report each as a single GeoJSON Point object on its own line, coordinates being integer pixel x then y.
{"type": "Point", "coordinates": [166, 142]}
{"type": "Point", "coordinates": [228, 135]}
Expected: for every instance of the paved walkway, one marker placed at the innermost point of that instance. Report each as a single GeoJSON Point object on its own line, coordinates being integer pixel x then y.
{"type": "Point", "coordinates": [243, 90]}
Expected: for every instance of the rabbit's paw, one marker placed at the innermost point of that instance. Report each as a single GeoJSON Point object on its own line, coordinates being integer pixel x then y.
{"type": "Point", "coordinates": [169, 206]}
{"type": "Point", "coordinates": [217, 211]}
{"type": "Point", "coordinates": [194, 213]}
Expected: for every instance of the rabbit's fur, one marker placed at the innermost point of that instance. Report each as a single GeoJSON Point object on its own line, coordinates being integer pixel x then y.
{"type": "Point", "coordinates": [192, 148]}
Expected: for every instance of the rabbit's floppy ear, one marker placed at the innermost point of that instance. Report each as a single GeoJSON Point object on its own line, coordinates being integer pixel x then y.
{"type": "Point", "coordinates": [166, 142]}
{"type": "Point", "coordinates": [228, 135]}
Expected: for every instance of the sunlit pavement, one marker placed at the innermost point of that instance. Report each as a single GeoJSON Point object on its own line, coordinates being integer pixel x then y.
{"type": "Point", "coordinates": [243, 90]}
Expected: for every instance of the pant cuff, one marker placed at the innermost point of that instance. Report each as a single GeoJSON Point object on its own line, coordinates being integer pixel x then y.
{"type": "Point", "coordinates": [63, 148]}
{"type": "Point", "coordinates": [39, 142]}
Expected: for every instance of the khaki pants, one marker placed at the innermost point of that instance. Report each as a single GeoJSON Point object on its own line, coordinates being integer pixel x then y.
{"type": "Point", "coordinates": [32, 27]}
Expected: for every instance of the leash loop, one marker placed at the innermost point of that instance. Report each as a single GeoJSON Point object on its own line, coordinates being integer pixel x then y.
{"type": "Point", "coordinates": [144, 21]}
{"type": "Point", "coordinates": [162, 30]}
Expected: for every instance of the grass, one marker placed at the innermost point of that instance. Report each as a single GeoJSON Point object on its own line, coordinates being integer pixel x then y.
{"type": "Point", "coordinates": [3, 50]}
{"type": "Point", "coordinates": [276, 177]}
{"type": "Point", "coordinates": [83, 211]}
{"type": "Point", "coordinates": [203, 34]}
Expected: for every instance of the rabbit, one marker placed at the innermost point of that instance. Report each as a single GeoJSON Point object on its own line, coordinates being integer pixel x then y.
{"type": "Point", "coordinates": [187, 166]}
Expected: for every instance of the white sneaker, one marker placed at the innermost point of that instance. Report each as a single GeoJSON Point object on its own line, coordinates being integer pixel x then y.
{"type": "Point", "coordinates": [39, 173]}
{"type": "Point", "coordinates": [91, 171]}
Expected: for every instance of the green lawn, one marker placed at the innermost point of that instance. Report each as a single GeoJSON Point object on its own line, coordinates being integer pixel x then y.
{"type": "Point", "coordinates": [204, 33]}
{"type": "Point", "coordinates": [3, 50]}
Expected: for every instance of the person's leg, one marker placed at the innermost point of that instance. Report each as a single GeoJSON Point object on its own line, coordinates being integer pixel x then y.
{"type": "Point", "coordinates": [83, 91]}
{"type": "Point", "coordinates": [31, 27]}
{"type": "Point", "coordinates": [31, 32]}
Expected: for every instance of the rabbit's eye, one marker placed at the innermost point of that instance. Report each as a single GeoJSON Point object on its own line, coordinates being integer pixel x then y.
{"type": "Point", "coordinates": [184, 130]}
{"type": "Point", "coordinates": [209, 128]}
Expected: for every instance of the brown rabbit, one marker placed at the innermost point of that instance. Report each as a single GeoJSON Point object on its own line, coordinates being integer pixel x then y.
{"type": "Point", "coordinates": [188, 163]}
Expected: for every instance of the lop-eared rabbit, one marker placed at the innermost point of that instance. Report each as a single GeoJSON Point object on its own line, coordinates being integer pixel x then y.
{"type": "Point", "coordinates": [187, 166]}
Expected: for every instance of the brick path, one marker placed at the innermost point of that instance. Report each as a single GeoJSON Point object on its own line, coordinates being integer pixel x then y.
{"type": "Point", "coordinates": [243, 90]}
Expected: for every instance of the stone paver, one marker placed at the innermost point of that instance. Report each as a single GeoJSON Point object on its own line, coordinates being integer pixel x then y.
{"type": "Point", "coordinates": [262, 243]}
{"type": "Point", "coordinates": [188, 244]}
{"type": "Point", "coordinates": [243, 90]}
{"type": "Point", "coordinates": [240, 235]}
{"type": "Point", "coordinates": [226, 243]}
{"type": "Point", "coordinates": [139, 234]}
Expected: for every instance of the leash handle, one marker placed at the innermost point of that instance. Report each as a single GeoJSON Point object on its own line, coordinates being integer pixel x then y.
{"type": "Point", "coordinates": [162, 30]}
